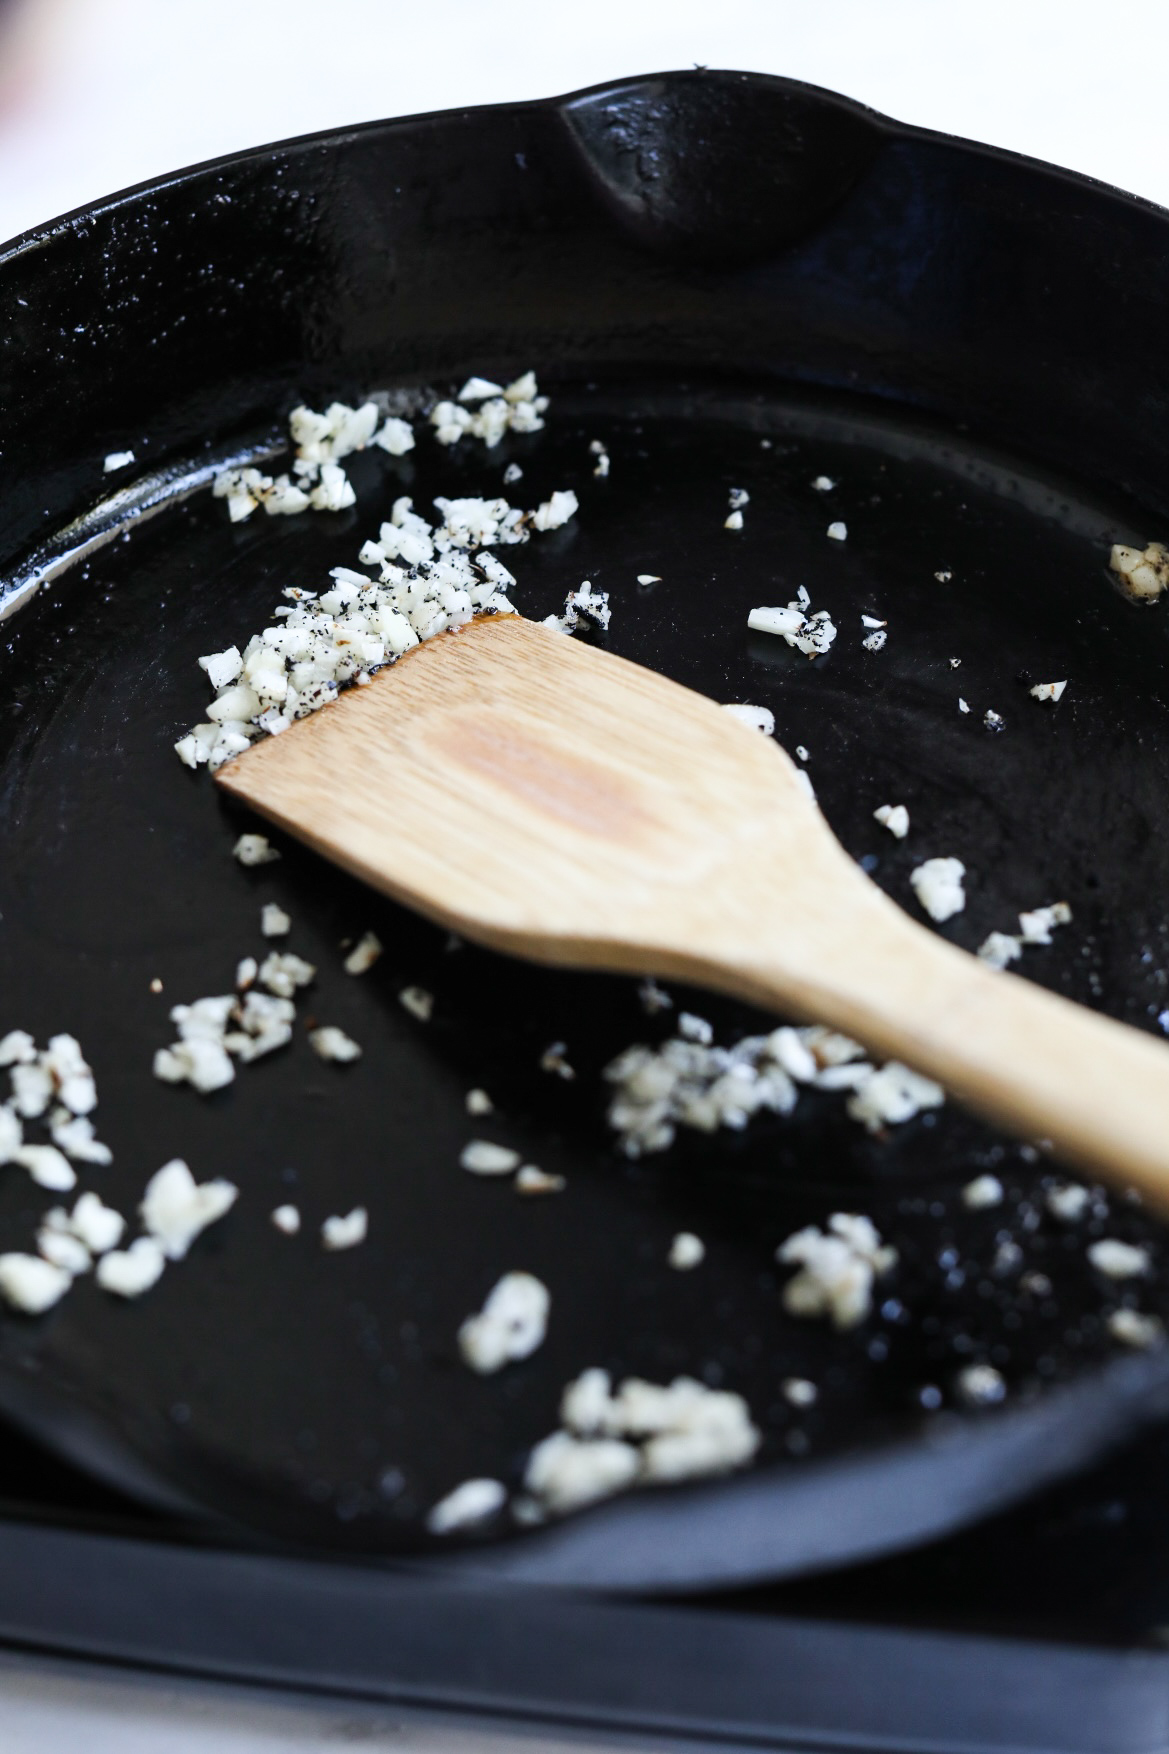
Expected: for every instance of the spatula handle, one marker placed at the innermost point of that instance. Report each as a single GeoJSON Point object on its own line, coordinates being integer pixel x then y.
{"type": "Point", "coordinates": [1033, 1063]}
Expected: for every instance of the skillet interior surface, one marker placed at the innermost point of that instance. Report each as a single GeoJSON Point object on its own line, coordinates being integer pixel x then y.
{"type": "Point", "coordinates": [701, 263]}
{"type": "Point", "coordinates": [321, 1397]}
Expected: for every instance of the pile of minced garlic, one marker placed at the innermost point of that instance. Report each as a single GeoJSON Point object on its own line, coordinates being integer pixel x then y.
{"type": "Point", "coordinates": [55, 1086]}
{"type": "Point", "coordinates": [317, 481]}
{"type": "Point", "coordinates": [421, 580]}
{"type": "Point", "coordinates": [688, 1081]}
{"type": "Point", "coordinates": [643, 1434]}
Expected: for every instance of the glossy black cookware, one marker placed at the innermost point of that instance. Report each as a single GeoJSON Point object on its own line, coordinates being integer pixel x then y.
{"type": "Point", "coordinates": [730, 281]}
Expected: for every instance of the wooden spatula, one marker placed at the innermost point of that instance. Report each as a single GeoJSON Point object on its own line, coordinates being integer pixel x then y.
{"type": "Point", "coordinates": [550, 800]}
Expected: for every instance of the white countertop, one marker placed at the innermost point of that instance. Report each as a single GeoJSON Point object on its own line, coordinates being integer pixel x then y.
{"type": "Point", "coordinates": [98, 94]}
{"type": "Point", "coordinates": [49, 1707]}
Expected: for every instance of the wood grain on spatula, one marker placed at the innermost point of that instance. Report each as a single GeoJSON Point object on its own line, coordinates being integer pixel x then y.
{"type": "Point", "coordinates": [551, 800]}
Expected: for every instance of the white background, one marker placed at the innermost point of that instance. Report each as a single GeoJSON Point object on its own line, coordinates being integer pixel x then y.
{"type": "Point", "coordinates": [98, 94]}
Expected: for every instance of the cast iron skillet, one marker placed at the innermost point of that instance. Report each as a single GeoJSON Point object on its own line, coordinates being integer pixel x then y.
{"type": "Point", "coordinates": [730, 280]}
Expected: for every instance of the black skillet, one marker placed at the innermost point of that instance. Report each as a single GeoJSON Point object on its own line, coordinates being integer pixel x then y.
{"type": "Point", "coordinates": [730, 280]}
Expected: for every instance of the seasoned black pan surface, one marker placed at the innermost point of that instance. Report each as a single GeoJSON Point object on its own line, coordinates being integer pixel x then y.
{"type": "Point", "coordinates": [320, 1398]}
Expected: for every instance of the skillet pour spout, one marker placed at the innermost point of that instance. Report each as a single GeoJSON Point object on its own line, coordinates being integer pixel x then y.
{"type": "Point", "coordinates": [658, 154]}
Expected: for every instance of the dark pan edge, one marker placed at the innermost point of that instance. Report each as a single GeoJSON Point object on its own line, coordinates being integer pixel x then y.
{"type": "Point", "coordinates": [37, 236]}
{"type": "Point", "coordinates": [692, 1537]}
{"type": "Point", "coordinates": [676, 1540]}
{"type": "Point", "coordinates": [122, 510]}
